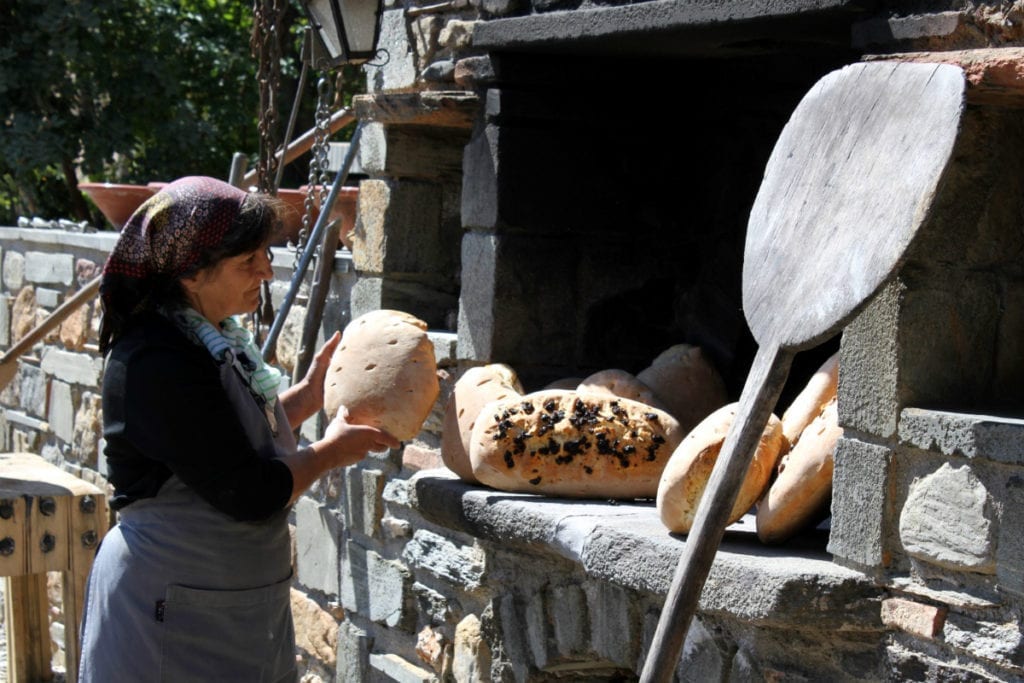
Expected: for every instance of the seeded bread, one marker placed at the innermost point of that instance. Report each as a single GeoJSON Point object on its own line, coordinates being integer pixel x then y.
{"type": "Point", "coordinates": [384, 373]}
{"type": "Point", "coordinates": [572, 444]}
{"type": "Point", "coordinates": [476, 388]}
{"type": "Point", "coordinates": [688, 470]}
{"type": "Point", "coordinates": [802, 489]}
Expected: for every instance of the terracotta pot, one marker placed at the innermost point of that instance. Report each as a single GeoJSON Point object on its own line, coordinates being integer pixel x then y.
{"type": "Point", "coordinates": [295, 207]}
{"type": "Point", "coordinates": [117, 202]}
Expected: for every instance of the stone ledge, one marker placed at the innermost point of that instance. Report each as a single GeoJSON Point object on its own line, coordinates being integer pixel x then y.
{"type": "Point", "coordinates": [441, 108]}
{"type": "Point", "coordinates": [101, 241]}
{"type": "Point", "coordinates": [797, 585]}
{"type": "Point", "coordinates": [972, 436]}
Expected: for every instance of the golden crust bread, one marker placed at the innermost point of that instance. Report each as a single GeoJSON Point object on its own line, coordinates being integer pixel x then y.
{"type": "Point", "coordinates": [685, 383]}
{"type": "Point", "coordinates": [476, 388]}
{"type": "Point", "coordinates": [809, 403]}
{"type": "Point", "coordinates": [801, 492]}
{"type": "Point", "coordinates": [688, 470]}
{"type": "Point", "coordinates": [384, 373]}
{"type": "Point", "coordinates": [572, 444]}
{"type": "Point", "coordinates": [619, 383]}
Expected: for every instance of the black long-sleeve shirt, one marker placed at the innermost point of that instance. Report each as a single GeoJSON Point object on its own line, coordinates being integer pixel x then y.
{"type": "Point", "coordinates": [166, 412]}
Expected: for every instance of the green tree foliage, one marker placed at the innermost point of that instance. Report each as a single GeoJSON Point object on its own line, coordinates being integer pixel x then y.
{"type": "Point", "coordinates": [128, 91]}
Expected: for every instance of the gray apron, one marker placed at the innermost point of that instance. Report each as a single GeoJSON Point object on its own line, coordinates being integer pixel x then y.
{"type": "Point", "coordinates": [179, 591]}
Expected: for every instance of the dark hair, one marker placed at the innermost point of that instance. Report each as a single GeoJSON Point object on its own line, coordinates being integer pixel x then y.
{"type": "Point", "coordinates": [125, 298]}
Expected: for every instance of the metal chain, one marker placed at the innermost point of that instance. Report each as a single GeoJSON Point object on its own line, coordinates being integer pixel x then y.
{"type": "Point", "coordinates": [317, 185]}
{"type": "Point", "coordinates": [265, 45]}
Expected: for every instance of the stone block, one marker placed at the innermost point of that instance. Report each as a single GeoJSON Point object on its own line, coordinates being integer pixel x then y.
{"type": "Point", "coordinates": [990, 640]}
{"type": "Point", "coordinates": [34, 390]}
{"type": "Point", "coordinates": [567, 607]}
{"type": "Point", "coordinates": [86, 270]}
{"type": "Point", "coordinates": [416, 458]}
{"type": "Point", "coordinates": [538, 637]}
{"type": "Point", "coordinates": [44, 268]}
{"type": "Point", "coordinates": [289, 339]}
{"type": "Point", "coordinates": [457, 34]}
{"type": "Point", "coordinates": [353, 659]}
{"type": "Point", "coordinates": [62, 411]}
{"type": "Point", "coordinates": [461, 565]}
{"type": "Point", "coordinates": [47, 298]}
{"type": "Point", "coordinates": [74, 331]}
{"type": "Point", "coordinates": [363, 501]}
{"type": "Point", "coordinates": [613, 633]}
{"type": "Point", "coordinates": [913, 617]}
{"type": "Point", "coordinates": [947, 521]}
{"type": "Point", "coordinates": [24, 313]}
{"type": "Point", "coordinates": [399, 71]}
{"type": "Point", "coordinates": [423, 299]}
{"type": "Point", "coordinates": [1010, 552]}
{"type": "Point", "coordinates": [424, 30]}
{"type": "Point", "coordinates": [394, 668]}
{"type": "Point", "coordinates": [317, 555]}
{"type": "Point", "coordinates": [74, 368]}
{"type": "Point", "coordinates": [471, 658]}
{"type": "Point", "coordinates": [14, 270]}
{"type": "Point", "coordinates": [85, 443]}
{"type": "Point", "coordinates": [375, 587]}
{"type": "Point", "coordinates": [868, 366]}
{"type": "Point", "coordinates": [702, 658]}
{"type": "Point", "coordinates": [473, 72]}
{"type": "Point", "coordinates": [399, 229]}
{"type": "Point", "coordinates": [5, 320]}
{"type": "Point", "coordinates": [859, 485]}
{"type": "Point", "coordinates": [373, 148]}
{"type": "Point", "coordinates": [435, 606]}
{"type": "Point", "coordinates": [316, 631]}
{"type": "Point", "coordinates": [996, 438]}
{"type": "Point", "coordinates": [512, 627]}
{"type": "Point", "coordinates": [445, 347]}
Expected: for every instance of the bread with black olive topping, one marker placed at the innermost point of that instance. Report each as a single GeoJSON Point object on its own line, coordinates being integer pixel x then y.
{"type": "Point", "coordinates": [573, 444]}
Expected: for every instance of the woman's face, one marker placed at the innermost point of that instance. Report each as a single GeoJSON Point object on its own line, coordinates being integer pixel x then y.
{"type": "Point", "coordinates": [231, 286]}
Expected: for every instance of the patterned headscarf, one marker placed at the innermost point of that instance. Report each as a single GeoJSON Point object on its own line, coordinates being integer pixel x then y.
{"type": "Point", "coordinates": [166, 235]}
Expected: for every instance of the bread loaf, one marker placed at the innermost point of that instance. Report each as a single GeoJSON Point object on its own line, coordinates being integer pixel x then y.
{"type": "Point", "coordinates": [800, 494]}
{"type": "Point", "coordinates": [809, 403]}
{"type": "Point", "coordinates": [571, 444]}
{"type": "Point", "coordinates": [384, 373]}
{"type": "Point", "coordinates": [686, 383]}
{"type": "Point", "coordinates": [619, 383]}
{"type": "Point", "coordinates": [476, 388]}
{"type": "Point", "coordinates": [688, 470]}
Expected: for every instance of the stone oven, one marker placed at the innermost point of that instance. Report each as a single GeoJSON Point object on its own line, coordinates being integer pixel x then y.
{"type": "Point", "coordinates": [591, 169]}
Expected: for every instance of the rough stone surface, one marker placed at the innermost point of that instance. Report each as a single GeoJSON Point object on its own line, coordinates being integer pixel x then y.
{"type": "Point", "coordinates": [61, 415]}
{"type": "Point", "coordinates": [433, 606]}
{"type": "Point", "coordinates": [859, 488]}
{"type": "Point", "coordinates": [471, 659]}
{"type": "Point", "coordinates": [316, 543]}
{"type": "Point", "coordinates": [394, 668]}
{"type": "Point", "coordinates": [74, 331]}
{"type": "Point", "coordinates": [457, 34]}
{"type": "Point", "coordinates": [374, 586]}
{"type": "Point", "coordinates": [462, 566]}
{"type": "Point", "coordinates": [353, 660]}
{"type": "Point", "coordinates": [363, 500]}
{"type": "Point", "coordinates": [570, 623]}
{"type": "Point", "coordinates": [400, 69]}
{"type": "Point", "coordinates": [46, 297]}
{"type": "Point", "coordinates": [868, 374]}
{"type": "Point", "coordinates": [1001, 643]}
{"type": "Point", "coordinates": [23, 313]}
{"type": "Point", "coordinates": [75, 368]}
{"type": "Point", "coordinates": [973, 436]}
{"type": "Point", "coordinates": [431, 644]}
{"type": "Point", "coordinates": [398, 228]}
{"type": "Point", "coordinates": [33, 390]}
{"type": "Point", "coordinates": [14, 270]}
{"type": "Point", "coordinates": [417, 458]}
{"type": "Point", "coordinates": [85, 444]}
{"type": "Point", "coordinates": [5, 320]}
{"type": "Point", "coordinates": [316, 631]}
{"type": "Point", "coordinates": [913, 617]}
{"type": "Point", "coordinates": [43, 268]}
{"type": "Point", "coordinates": [947, 520]}
{"type": "Point", "coordinates": [1010, 554]}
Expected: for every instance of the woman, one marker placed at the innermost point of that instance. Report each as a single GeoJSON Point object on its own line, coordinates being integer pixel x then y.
{"type": "Point", "coordinates": [193, 582]}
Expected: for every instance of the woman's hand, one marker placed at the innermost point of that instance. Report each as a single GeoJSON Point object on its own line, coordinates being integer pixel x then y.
{"type": "Point", "coordinates": [343, 444]}
{"type": "Point", "coordinates": [306, 397]}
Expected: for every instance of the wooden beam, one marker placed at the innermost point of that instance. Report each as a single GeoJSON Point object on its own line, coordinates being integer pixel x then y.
{"type": "Point", "coordinates": [439, 109]}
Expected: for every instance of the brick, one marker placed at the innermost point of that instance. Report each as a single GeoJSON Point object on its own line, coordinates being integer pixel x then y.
{"type": "Point", "coordinates": [416, 458]}
{"type": "Point", "coordinates": [43, 268]}
{"type": "Point", "coordinates": [317, 531]}
{"type": "Point", "coordinates": [913, 617]}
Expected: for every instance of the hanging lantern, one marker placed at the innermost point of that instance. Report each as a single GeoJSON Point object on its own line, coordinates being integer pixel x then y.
{"type": "Point", "coordinates": [348, 29]}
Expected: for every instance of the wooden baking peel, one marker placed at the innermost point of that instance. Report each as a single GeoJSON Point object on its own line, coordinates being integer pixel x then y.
{"type": "Point", "coordinates": [851, 179]}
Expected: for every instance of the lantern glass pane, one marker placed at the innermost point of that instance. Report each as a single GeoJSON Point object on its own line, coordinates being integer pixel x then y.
{"type": "Point", "coordinates": [323, 20]}
{"type": "Point", "coordinates": [360, 18]}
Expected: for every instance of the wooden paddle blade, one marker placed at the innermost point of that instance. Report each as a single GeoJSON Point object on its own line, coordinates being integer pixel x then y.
{"type": "Point", "coordinates": [849, 182]}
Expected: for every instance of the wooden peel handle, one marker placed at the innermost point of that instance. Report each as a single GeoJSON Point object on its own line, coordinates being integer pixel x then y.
{"type": "Point", "coordinates": [52, 320]}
